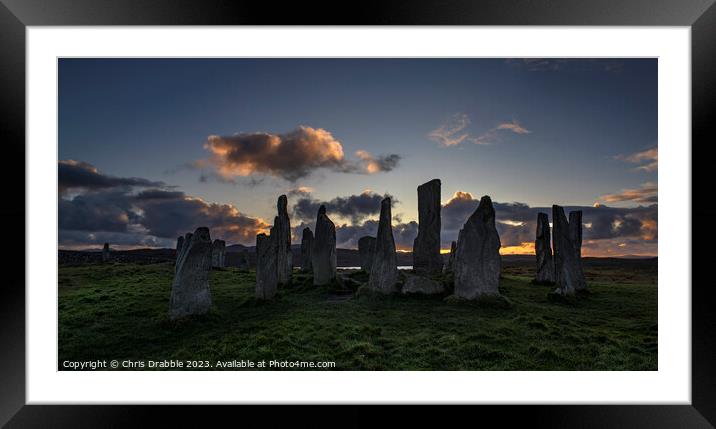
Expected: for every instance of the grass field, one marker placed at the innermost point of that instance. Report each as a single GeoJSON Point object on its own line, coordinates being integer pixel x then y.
{"type": "Point", "coordinates": [119, 311]}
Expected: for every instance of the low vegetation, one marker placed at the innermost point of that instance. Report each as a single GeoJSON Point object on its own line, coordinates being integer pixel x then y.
{"type": "Point", "coordinates": [119, 311]}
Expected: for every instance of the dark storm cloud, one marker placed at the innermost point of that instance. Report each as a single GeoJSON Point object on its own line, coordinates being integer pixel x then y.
{"type": "Point", "coordinates": [347, 236]}
{"type": "Point", "coordinates": [73, 174]}
{"type": "Point", "coordinates": [292, 155]}
{"type": "Point", "coordinates": [146, 216]}
{"type": "Point", "coordinates": [353, 207]}
{"type": "Point", "coordinates": [516, 222]}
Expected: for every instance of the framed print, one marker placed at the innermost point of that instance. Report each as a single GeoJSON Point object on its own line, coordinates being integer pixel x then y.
{"type": "Point", "coordinates": [458, 206]}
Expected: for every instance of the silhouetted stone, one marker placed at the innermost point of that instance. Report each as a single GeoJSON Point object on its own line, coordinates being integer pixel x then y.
{"type": "Point", "coordinates": [324, 249]}
{"type": "Point", "coordinates": [218, 254]}
{"type": "Point", "coordinates": [180, 252]}
{"type": "Point", "coordinates": [190, 289]}
{"type": "Point", "coordinates": [426, 247]}
{"type": "Point", "coordinates": [180, 243]}
{"type": "Point", "coordinates": [575, 235]}
{"type": "Point", "coordinates": [105, 252]}
{"type": "Point", "coordinates": [306, 249]}
{"type": "Point", "coordinates": [575, 230]}
{"type": "Point", "coordinates": [477, 258]}
{"type": "Point", "coordinates": [543, 251]}
{"type": "Point", "coordinates": [282, 224]}
{"type": "Point", "coordinates": [366, 251]}
{"type": "Point", "coordinates": [266, 265]}
{"type": "Point", "coordinates": [421, 285]}
{"type": "Point", "coordinates": [243, 263]}
{"type": "Point", "coordinates": [384, 271]}
{"type": "Point", "coordinates": [450, 266]}
{"type": "Point", "coordinates": [568, 268]}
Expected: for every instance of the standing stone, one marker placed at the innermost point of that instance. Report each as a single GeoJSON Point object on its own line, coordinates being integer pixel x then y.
{"type": "Point", "coordinates": [266, 263]}
{"type": "Point", "coordinates": [282, 224]}
{"type": "Point", "coordinates": [105, 252]}
{"type": "Point", "coordinates": [477, 258]}
{"type": "Point", "coordinates": [575, 231]}
{"type": "Point", "coordinates": [306, 248]}
{"type": "Point", "coordinates": [323, 256]}
{"type": "Point", "coordinates": [543, 251]}
{"type": "Point", "coordinates": [575, 234]}
{"type": "Point", "coordinates": [218, 254]}
{"type": "Point", "coordinates": [450, 267]}
{"type": "Point", "coordinates": [243, 263]}
{"type": "Point", "coordinates": [426, 247]}
{"type": "Point", "coordinates": [366, 251]}
{"type": "Point", "coordinates": [568, 268]}
{"type": "Point", "coordinates": [190, 289]}
{"type": "Point", "coordinates": [180, 243]}
{"type": "Point", "coordinates": [384, 271]}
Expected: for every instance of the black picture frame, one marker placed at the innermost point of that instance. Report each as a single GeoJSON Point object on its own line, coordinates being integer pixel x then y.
{"type": "Point", "coordinates": [16, 15]}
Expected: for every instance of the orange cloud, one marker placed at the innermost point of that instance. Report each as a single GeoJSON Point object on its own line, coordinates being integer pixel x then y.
{"type": "Point", "coordinates": [649, 159]}
{"type": "Point", "coordinates": [647, 193]}
{"type": "Point", "coordinates": [291, 155]}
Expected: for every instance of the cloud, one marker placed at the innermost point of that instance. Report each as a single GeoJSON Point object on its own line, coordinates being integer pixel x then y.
{"type": "Point", "coordinates": [292, 156]}
{"type": "Point", "coordinates": [513, 126]}
{"type": "Point", "coordinates": [516, 222]}
{"type": "Point", "coordinates": [646, 193]}
{"type": "Point", "coordinates": [125, 211]}
{"type": "Point", "coordinates": [452, 133]}
{"type": "Point", "coordinates": [78, 175]}
{"type": "Point", "coordinates": [648, 159]}
{"type": "Point", "coordinates": [353, 207]}
{"type": "Point", "coordinates": [564, 64]}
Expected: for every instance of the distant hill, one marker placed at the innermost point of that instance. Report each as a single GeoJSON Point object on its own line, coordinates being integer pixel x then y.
{"type": "Point", "coordinates": [345, 257]}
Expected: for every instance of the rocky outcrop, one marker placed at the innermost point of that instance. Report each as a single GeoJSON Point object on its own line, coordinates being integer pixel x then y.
{"type": "Point", "coordinates": [426, 247]}
{"type": "Point", "coordinates": [567, 261]}
{"type": "Point", "coordinates": [324, 249]}
{"type": "Point", "coordinates": [384, 270]}
{"type": "Point", "coordinates": [190, 289]}
{"type": "Point", "coordinates": [218, 254]}
{"type": "Point", "coordinates": [306, 248]}
{"type": "Point", "coordinates": [282, 226]}
{"type": "Point", "coordinates": [543, 251]}
{"type": "Point", "coordinates": [366, 251]}
{"type": "Point", "coordinates": [266, 264]}
{"type": "Point", "coordinates": [477, 258]}
{"type": "Point", "coordinates": [421, 285]}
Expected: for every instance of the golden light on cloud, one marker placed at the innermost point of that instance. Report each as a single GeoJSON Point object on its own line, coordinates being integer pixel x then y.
{"type": "Point", "coordinates": [525, 248]}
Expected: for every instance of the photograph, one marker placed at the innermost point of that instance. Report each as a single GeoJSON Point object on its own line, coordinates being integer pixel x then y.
{"type": "Point", "coordinates": [357, 214]}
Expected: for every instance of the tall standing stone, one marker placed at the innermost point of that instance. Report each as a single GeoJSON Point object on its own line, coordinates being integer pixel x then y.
{"type": "Point", "coordinates": [306, 248]}
{"type": "Point", "coordinates": [266, 263]}
{"type": "Point", "coordinates": [366, 252]}
{"type": "Point", "coordinates": [477, 258]}
{"type": "Point", "coordinates": [575, 231]}
{"type": "Point", "coordinates": [105, 252]}
{"type": "Point", "coordinates": [543, 251]}
{"type": "Point", "coordinates": [384, 271]}
{"type": "Point", "coordinates": [180, 243]}
{"type": "Point", "coordinates": [323, 255]}
{"type": "Point", "coordinates": [426, 247]}
{"type": "Point", "coordinates": [568, 267]}
{"type": "Point", "coordinates": [218, 254]}
{"type": "Point", "coordinates": [450, 267]}
{"type": "Point", "coordinates": [282, 225]}
{"type": "Point", "coordinates": [575, 234]}
{"type": "Point", "coordinates": [190, 289]}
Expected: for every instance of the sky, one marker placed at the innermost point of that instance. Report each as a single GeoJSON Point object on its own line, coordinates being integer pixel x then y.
{"type": "Point", "coordinates": [152, 148]}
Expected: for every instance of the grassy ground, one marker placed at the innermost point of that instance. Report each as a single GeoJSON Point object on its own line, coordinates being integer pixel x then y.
{"type": "Point", "coordinates": [119, 311]}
